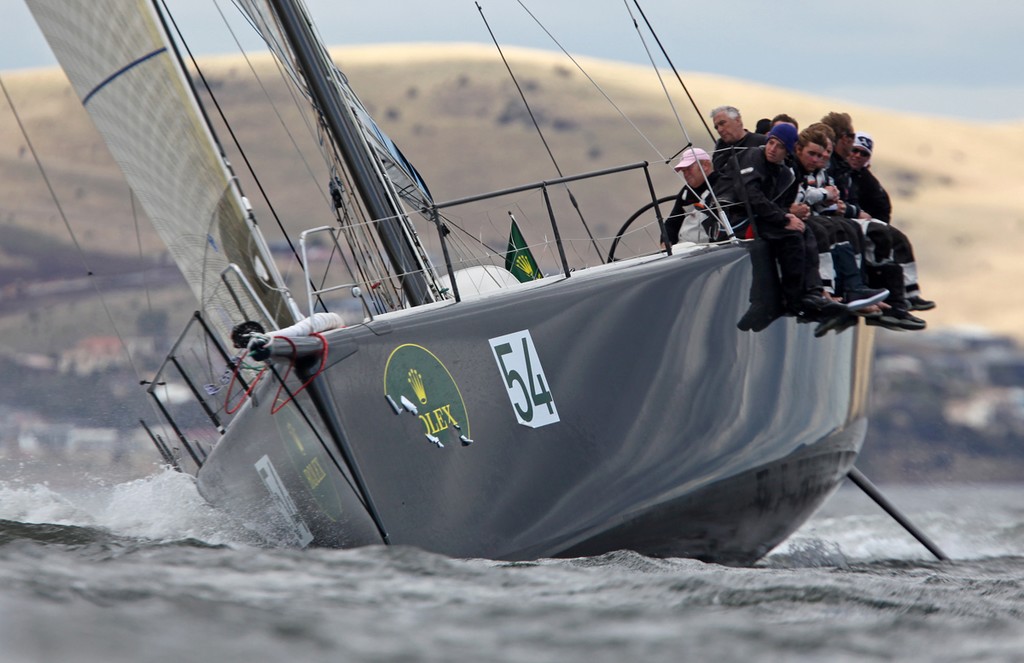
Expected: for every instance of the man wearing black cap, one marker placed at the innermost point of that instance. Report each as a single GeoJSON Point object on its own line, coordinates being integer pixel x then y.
{"type": "Point", "coordinates": [890, 242]}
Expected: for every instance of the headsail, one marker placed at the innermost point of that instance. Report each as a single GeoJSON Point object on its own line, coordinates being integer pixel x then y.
{"type": "Point", "coordinates": [117, 57]}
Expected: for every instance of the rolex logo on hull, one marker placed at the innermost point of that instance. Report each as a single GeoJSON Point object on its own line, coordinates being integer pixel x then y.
{"type": "Point", "coordinates": [416, 381]}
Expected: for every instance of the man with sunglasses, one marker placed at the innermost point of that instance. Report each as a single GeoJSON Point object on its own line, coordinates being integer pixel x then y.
{"type": "Point", "coordinates": [881, 273]}
{"type": "Point", "coordinates": [839, 268]}
{"type": "Point", "coordinates": [839, 168]}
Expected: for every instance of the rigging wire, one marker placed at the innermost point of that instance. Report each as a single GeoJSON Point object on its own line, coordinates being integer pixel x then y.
{"type": "Point", "coordinates": [661, 80]}
{"type": "Point", "coordinates": [71, 232]}
{"type": "Point", "coordinates": [355, 111]}
{"type": "Point", "coordinates": [721, 216]}
{"type": "Point", "coordinates": [287, 74]}
{"type": "Point", "coordinates": [594, 83]}
{"type": "Point", "coordinates": [670, 64]}
{"type": "Point", "coordinates": [360, 245]}
{"type": "Point", "coordinates": [364, 247]}
{"type": "Point", "coordinates": [370, 247]}
{"type": "Point", "coordinates": [138, 242]}
{"type": "Point", "coordinates": [266, 93]}
{"type": "Point", "coordinates": [675, 112]}
{"type": "Point", "coordinates": [540, 133]}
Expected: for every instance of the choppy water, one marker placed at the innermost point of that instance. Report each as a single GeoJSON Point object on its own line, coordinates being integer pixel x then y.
{"type": "Point", "coordinates": [143, 570]}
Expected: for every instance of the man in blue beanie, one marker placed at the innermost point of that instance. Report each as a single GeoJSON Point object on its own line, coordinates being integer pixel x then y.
{"type": "Point", "coordinates": [756, 190]}
{"type": "Point", "coordinates": [786, 134]}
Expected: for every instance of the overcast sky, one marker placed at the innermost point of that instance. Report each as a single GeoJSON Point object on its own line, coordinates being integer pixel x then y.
{"type": "Point", "coordinates": [957, 59]}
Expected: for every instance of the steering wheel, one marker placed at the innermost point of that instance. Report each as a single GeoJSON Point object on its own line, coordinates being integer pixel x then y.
{"type": "Point", "coordinates": [637, 214]}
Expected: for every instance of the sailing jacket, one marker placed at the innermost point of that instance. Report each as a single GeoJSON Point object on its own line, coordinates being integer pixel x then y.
{"type": "Point", "coordinates": [765, 186]}
{"type": "Point", "coordinates": [811, 190]}
{"type": "Point", "coordinates": [871, 195]}
{"type": "Point", "coordinates": [750, 140]}
{"type": "Point", "coordinates": [841, 173]}
{"type": "Point", "coordinates": [690, 218]}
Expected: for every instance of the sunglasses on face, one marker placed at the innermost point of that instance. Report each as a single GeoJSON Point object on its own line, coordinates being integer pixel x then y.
{"type": "Point", "coordinates": [860, 152]}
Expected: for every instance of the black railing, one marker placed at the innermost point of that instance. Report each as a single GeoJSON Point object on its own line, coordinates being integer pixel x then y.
{"type": "Point", "coordinates": [542, 186]}
{"type": "Point", "coordinates": [198, 361]}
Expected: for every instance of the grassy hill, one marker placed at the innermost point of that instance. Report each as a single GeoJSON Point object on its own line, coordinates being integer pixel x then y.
{"type": "Point", "coordinates": [458, 117]}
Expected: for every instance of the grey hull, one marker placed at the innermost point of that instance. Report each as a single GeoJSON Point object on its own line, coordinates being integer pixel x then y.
{"type": "Point", "coordinates": [620, 408]}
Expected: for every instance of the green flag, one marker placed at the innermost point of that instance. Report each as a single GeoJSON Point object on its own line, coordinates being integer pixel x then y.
{"type": "Point", "coordinates": [518, 258]}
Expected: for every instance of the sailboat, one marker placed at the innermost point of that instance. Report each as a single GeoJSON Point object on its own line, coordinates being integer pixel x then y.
{"type": "Point", "coordinates": [434, 399]}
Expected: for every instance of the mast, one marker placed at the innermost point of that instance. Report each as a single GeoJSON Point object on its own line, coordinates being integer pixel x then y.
{"type": "Point", "coordinates": [359, 163]}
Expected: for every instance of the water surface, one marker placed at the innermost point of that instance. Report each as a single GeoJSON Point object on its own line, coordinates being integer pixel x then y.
{"type": "Point", "coordinates": [144, 570]}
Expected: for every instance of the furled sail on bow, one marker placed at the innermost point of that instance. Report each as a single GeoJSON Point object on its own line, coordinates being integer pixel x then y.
{"type": "Point", "coordinates": [117, 57]}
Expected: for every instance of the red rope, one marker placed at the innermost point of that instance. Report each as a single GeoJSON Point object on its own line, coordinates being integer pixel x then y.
{"type": "Point", "coordinates": [275, 408]}
{"type": "Point", "coordinates": [247, 392]}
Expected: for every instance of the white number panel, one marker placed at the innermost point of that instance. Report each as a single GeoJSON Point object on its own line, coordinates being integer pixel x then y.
{"type": "Point", "coordinates": [524, 379]}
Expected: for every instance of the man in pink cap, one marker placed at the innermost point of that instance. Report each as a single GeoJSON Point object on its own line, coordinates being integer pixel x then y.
{"type": "Point", "coordinates": [690, 219]}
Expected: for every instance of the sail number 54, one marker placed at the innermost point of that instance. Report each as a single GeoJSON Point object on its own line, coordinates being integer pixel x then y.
{"type": "Point", "coordinates": [524, 379]}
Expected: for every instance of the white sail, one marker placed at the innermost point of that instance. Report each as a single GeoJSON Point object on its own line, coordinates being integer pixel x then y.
{"type": "Point", "coordinates": [116, 55]}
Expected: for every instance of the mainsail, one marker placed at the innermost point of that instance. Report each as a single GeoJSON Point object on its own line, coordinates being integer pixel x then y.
{"type": "Point", "coordinates": [401, 173]}
{"type": "Point", "coordinates": [142, 104]}
{"type": "Point", "coordinates": [377, 176]}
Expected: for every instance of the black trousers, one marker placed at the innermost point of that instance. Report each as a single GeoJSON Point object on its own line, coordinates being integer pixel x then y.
{"type": "Point", "coordinates": [890, 242]}
{"type": "Point", "coordinates": [796, 253]}
{"type": "Point", "coordinates": [832, 230]}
